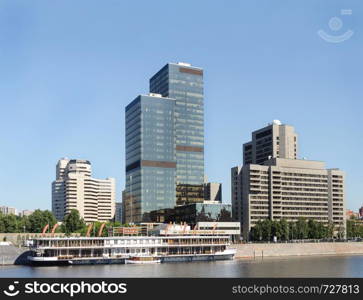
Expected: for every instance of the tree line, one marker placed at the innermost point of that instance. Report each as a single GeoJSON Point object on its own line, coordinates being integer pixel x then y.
{"type": "Point", "coordinates": [354, 229]}
{"type": "Point", "coordinates": [266, 230]}
{"type": "Point", "coordinates": [35, 223]}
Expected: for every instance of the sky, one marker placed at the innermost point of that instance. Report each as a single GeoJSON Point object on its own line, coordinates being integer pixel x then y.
{"type": "Point", "coordinates": [68, 69]}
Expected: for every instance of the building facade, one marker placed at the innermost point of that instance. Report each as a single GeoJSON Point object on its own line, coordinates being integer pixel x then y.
{"type": "Point", "coordinates": [74, 188]}
{"type": "Point", "coordinates": [208, 211]}
{"type": "Point", "coordinates": [118, 212]}
{"type": "Point", "coordinates": [184, 83]}
{"type": "Point", "coordinates": [6, 210]}
{"type": "Point", "coordinates": [150, 156]}
{"type": "Point", "coordinates": [213, 191]}
{"type": "Point", "coordinates": [285, 188]}
{"type": "Point", "coordinates": [360, 212]}
{"type": "Point", "coordinates": [26, 212]}
{"type": "Point", "coordinates": [165, 143]}
{"type": "Point", "coordinates": [274, 140]}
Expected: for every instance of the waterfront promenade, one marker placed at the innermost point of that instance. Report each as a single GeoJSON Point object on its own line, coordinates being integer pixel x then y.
{"type": "Point", "coordinates": [259, 250]}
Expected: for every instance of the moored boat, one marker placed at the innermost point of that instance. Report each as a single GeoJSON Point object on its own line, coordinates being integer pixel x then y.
{"type": "Point", "coordinates": [176, 244]}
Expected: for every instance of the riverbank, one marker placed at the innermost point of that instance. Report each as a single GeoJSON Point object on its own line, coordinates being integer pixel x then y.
{"type": "Point", "coordinates": [251, 251]}
{"type": "Point", "coordinates": [11, 255]}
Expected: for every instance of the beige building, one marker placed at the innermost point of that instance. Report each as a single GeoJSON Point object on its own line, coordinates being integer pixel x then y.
{"type": "Point", "coordinates": [74, 188]}
{"type": "Point", "coordinates": [212, 191]}
{"type": "Point", "coordinates": [274, 140]}
{"type": "Point", "coordinates": [26, 212]}
{"type": "Point", "coordinates": [287, 188]}
{"type": "Point", "coordinates": [6, 210]}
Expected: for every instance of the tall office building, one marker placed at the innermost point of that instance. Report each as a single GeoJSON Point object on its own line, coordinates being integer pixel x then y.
{"type": "Point", "coordinates": [288, 188]}
{"type": "Point", "coordinates": [74, 188]}
{"type": "Point", "coordinates": [165, 143]}
{"type": "Point", "coordinates": [236, 193]}
{"type": "Point", "coordinates": [150, 156]}
{"type": "Point", "coordinates": [184, 83]}
{"type": "Point", "coordinates": [274, 140]}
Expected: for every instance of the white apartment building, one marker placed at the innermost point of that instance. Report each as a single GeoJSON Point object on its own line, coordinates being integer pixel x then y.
{"type": "Point", "coordinates": [74, 188]}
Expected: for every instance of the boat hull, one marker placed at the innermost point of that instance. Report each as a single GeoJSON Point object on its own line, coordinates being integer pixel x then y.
{"type": "Point", "coordinates": [108, 261]}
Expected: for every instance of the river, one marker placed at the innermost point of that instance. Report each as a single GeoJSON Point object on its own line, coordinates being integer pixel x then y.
{"type": "Point", "coordinates": [308, 266]}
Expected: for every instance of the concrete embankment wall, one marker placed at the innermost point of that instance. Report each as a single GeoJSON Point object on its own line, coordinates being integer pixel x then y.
{"type": "Point", "coordinates": [10, 255]}
{"type": "Point", "coordinates": [297, 249]}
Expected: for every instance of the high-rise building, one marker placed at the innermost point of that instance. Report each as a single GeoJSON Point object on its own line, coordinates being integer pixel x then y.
{"type": "Point", "coordinates": [277, 188]}
{"type": "Point", "coordinates": [213, 191]}
{"type": "Point", "coordinates": [184, 83]}
{"type": "Point", "coordinates": [274, 140]}
{"type": "Point", "coordinates": [150, 156]}
{"type": "Point", "coordinates": [236, 193]}
{"type": "Point", "coordinates": [74, 188]}
{"type": "Point", "coordinates": [165, 143]}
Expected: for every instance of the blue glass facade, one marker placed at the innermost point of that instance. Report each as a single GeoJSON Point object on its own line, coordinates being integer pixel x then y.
{"type": "Point", "coordinates": [184, 83]}
{"type": "Point", "coordinates": [150, 156]}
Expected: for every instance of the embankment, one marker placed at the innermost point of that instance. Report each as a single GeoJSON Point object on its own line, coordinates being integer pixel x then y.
{"type": "Point", "coordinates": [297, 249]}
{"type": "Point", "coordinates": [10, 255]}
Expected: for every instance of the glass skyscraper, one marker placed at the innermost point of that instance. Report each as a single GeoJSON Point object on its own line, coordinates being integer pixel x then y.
{"type": "Point", "coordinates": [150, 156]}
{"type": "Point", "coordinates": [184, 83]}
{"type": "Point", "coordinates": [165, 143]}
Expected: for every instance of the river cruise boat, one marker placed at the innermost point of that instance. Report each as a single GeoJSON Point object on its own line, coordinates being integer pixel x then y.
{"type": "Point", "coordinates": [177, 244]}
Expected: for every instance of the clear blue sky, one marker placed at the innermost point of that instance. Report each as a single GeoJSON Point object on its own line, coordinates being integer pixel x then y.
{"type": "Point", "coordinates": [68, 68]}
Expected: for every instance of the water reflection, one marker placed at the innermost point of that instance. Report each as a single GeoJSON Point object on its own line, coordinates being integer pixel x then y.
{"type": "Point", "coordinates": [325, 266]}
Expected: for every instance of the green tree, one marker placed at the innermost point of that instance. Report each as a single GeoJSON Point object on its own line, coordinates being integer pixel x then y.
{"type": "Point", "coordinates": [10, 223]}
{"type": "Point", "coordinates": [256, 231]}
{"type": "Point", "coordinates": [266, 230]}
{"type": "Point", "coordinates": [284, 227]}
{"type": "Point", "coordinates": [312, 229]}
{"type": "Point", "coordinates": [38, 219]}
{"type": "Point", "coordinates": [73, 222]}
{"type": "Point", "coordinates": [330, 230]}
{"type": "Point", "coordinates": [302, 228]}
{"type": "Point", "coordinates": [276, 229]}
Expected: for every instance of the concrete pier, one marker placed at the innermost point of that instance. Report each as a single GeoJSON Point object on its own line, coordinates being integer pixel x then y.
{"type": "Point", "coordinates": [258, 251]}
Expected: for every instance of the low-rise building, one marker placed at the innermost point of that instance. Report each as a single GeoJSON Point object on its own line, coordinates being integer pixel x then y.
{"type": "Point", "coordinates": [207, 211]}
{"type": "Point", "coordinates": [26, 212]}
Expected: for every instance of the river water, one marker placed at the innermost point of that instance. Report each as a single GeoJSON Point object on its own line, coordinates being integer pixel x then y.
{"type": "Point", "coordinates": [312, 266]}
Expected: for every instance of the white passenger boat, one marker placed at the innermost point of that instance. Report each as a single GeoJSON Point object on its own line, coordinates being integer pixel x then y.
{"type": "Point", "coordinates": [166, 245]}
